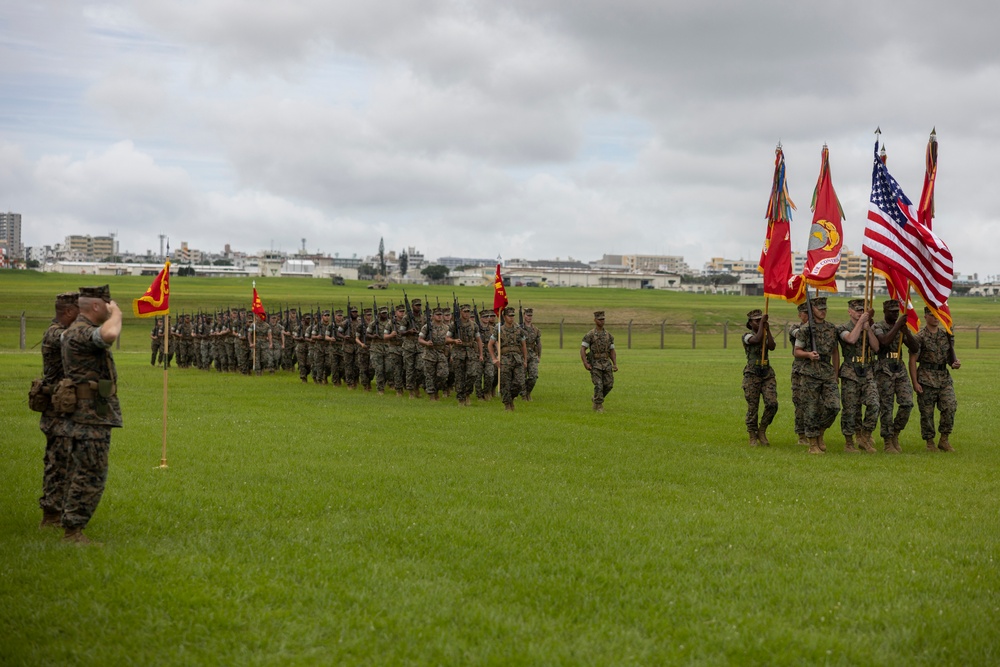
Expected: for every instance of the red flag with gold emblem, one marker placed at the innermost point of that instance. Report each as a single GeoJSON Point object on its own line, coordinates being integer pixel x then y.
{"type": "Point", "coordinates": [499, 293]}
{"type": "Point", "coordinates": [776, 257]}
{"type": "Point", "coordinates": [258, 307]}
{"type": "Point", "coordinates": [826, 236]}
{"type": "Point", "coordinates": [156, 300]}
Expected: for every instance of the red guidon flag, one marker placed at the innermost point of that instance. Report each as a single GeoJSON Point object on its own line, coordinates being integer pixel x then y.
{"type": "Point", "coordinates": [776, 256]}
{"type": "Point", "coordinates": [499, 293]}
{"type": "Point", "coordinates": [826, 236]}
{"type": "Point", "coordinates": [156, 300]}
{"type": "Point", "coordinates": [258, 307]}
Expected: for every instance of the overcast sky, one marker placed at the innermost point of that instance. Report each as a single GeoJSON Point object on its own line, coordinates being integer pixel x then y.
{"type": "Point", "coordinates": [540, 129]}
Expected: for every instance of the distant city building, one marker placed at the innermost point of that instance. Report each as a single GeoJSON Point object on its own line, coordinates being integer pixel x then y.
{"type": "Point", "coordinates": [654, 263]}
{"type": "Point", "coordinates": [455, 262]}
{"type": "Point", "coordinates": [718, 265]}
{"type": "Point", "coordinates": [89, 248]}
{"type": "Point", "coordinates": [10, 236]}
{"type": "Point", "coordinates": [565, 264]}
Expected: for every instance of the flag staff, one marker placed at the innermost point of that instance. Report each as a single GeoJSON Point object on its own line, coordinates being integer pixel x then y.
{"type": "Point", "coordinates": [166, 357]}
{"type": "Point", "coordinates": [253, 337]}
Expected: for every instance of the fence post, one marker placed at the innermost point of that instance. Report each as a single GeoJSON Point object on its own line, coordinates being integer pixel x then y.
{"type": "Point", "coordinates": [663, 326]}
{"type": "Point", "coordinates": [977, 335]}
{"type": "Point", "coordinates": [561, 322]}
{"type": "Point", "coordinates": [725, 335]}
{"type": "Point", "coordinates": [694, 333]}
{"type": "Point", "coordinates": [630, 334]}
{"type": "Point", "coordinates": [24, 335]}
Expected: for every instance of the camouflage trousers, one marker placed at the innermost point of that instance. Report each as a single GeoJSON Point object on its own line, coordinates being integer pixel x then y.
{"type": "Point", "coordinates": [261, 357]}
{"type": "Point", "coordinates": [755, 388]}
{"type": "Point", "coordinates": [394, 368]}
{"type": "Point", "coordinates": [894, 388]}
{"type": "Point", "coordinates": [412, 369]}
{"type": "Point", "coordinates": [603, 377]}
{"type": "Point", "coordinates": [218, 354]}
{"type": "Point", "coordinates": [377, 366]}
{"type": "Point", "coordinates": [156, 346]}
{"type": "Point", "coordinates": [350, 364]}
{"type": "Point", "coordinates": [365, 367]}
{"type": "Point", "coordinates": [855, 395]}
{"type": "Point", "coordinates": [317, 362]}
{"type": "Point", "coordinates": [302, 358]}
{"type": "Point", "coordinates": [800, 427]}
{"type": "Point", "coordinates": [241, 356]}
{"type": "Point", "coordinates": [88, 472]}
{"type": "Point", "coordinates": [467, 368]}
{"type": "Point", "coordinates": [435, 371]}
{"type": "Point", "coordinates": [335, 362]}
{"type": "Point", "coordinates": [820, 404]}
{"type": "Point", "coordinates": [185, 353]}
{"type": "Point", "coordinates": [288, 356]}
{"type": "Point", "coordinates": [944, 399]}
{"type": "Point", "coordinates": [58, 451]}
{"type": "Point", "coordinates": [531, 374]}
{"type": "Point", "coordinates": [486, 383]}
{"type": "Point", "coordinates": [229, 353]}
{"type": "Point", "coordinates": [511, 377]}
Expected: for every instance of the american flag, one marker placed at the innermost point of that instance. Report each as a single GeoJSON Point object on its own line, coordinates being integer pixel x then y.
{"type": "Point", "coordinates": [895, 237]}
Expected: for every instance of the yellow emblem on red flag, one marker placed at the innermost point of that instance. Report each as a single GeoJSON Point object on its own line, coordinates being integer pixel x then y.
{"type": "Point", "coordinates": [499, 293]}
{"type": "Point", "coordinates": [258, 307]}
{"type": "Point", "coordinates": [156, 300]}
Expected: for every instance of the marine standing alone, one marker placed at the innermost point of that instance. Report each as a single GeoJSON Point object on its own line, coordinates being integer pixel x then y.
{"type": "Point", "coordinates": [597, 351]}
{"type": "Point", "coordinates": [758, 377]}
{"type": "Point", "coordinates": [935, 354]}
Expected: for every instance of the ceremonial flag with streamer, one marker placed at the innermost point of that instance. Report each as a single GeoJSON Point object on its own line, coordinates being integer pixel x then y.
{"type": "Point", "coordinates": [896, 240]}
{"type": "Point", "coordinates": [926, 211]}
{"type": "Point", "coordinates": [156, 300]}
{"type": "Point", "coordinates": [499, 293]}
{"type": "Point", "coordinates": [826, 236]}
{"type": "Point", "coordinates": [258, 307]}
{"type": "Point", "coordinates": [776, 257]}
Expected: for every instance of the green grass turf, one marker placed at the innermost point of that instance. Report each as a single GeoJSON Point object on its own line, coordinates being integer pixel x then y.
{"type": "Point", "coordinates": [312, 525]}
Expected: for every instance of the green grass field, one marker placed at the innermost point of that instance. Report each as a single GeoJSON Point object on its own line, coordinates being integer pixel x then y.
{"type": "Point", "coordinates": [299, 524]}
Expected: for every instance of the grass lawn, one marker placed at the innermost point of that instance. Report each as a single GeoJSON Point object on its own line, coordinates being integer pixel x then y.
{"type": "Point", "coordinates": [299, 524]}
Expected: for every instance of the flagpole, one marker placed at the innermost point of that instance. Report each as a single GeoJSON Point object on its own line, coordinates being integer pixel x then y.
{"type": "Point", "coordinates": [166, 357]}
{"type": "Point", "coordinates": [867, 300]}
{"type": "Point", "coordinates": [253, 344]}
{"type": "Point", "coordinates": [763, 340]}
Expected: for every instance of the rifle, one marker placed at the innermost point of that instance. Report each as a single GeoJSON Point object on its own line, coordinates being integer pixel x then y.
{"type": "Point", "coordinates": [409, 311]}
{"type": "Point", "coordinates": [475, 313]}
{"type": "Point", "coordinates": [456, 314]}
{"type": "Point", "coordinates": [349, 327]}
{"type": "Point", "coordinates": [428, 320]}
{"type": "Point", "coordinates": [520, 315]}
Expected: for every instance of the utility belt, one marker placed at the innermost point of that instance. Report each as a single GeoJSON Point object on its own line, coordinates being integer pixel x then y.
{"type": "Point", "coordinates": [933, 367]}
{"type": "Point", "coordinates": [759, 362]}
{"type": "Point", "coordinates": [394, 342]}
{"type": "Point", "coordinates": [892, 366]}
{"type": "Point", "coordinates": [93, 390]}
{"type": "Point", "coordinates": [600, 355]}
{"type": "Point", "coordinates": [856, 360]}
{"type": "Point", "coordinates": [888, 355]}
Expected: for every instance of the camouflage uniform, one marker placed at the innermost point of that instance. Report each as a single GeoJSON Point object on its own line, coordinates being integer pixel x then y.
{"type": "Point", "coordinates": [335, 349]}
{"type": "Point", "coordinates": [857, 384]}
{"type": "Point", "coordinates": [378, 349]}
{"type": "Point", "coordinates": [533, 338]}
{"type": "Point", "coordinates": [347, 332]}
{"type": "Point", "coordinates": [318, 350]}
{"type": "Point", "coordinates": [394, 353]}
{"type": "Point", "coordinates": [819, 394]}
{"type": "Point", "coordinates": [435, 361]}
{"type": "Point", "coordinates": [509, 339]}
{"type": "Point", "coordinates": [933, 355]}
{"type": "Point", "coordinates": [465, 358]}
{"type": "Point", "coordinates": [487, 382]}
{"type": "Point", "coordinates": [156, 342]}
{"type": "Point", "coordinates": [259, 331]}
{"type": "Point", "coordinates": [206, 343]}
{"type": "Point", "coordinates": [412, 370]}
{"type": "Point", "coordinates": [185, 342]}
{"type": "Point", "coordinates": [56, 427]}
{"type": "Point", "coordinates": [302, 344]}
{"type": "Point", "coordinates": [893, 383]}
{"type": "Point", "coordinates": [228, 348]}
{"type": "Point", "coordinates": [800, 427]}
{"type": "Point", "coordinates": [86, 360]}
{"type": "Point", "coordinates": [758, 382]}
{"type": "Point", "coordinates": [365, 373]}
{"type": "Point", "coordinates": [289, 343]}
{"type": "Point", "coordinates": [599, 343]}
{"type": "Point", "coordinates": [277, 347]}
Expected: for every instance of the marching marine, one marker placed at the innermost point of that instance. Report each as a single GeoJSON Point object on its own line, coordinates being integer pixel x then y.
{"type": "Point", "coordinates": [597, 351]}
{"type": "Point", "coordinates": [935, 354]}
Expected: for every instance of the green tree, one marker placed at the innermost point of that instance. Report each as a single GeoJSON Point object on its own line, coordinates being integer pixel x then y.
{"type": "Point", "coordinates": [404, 263]}
{"type": "Point", "coordinates": [435, 272]}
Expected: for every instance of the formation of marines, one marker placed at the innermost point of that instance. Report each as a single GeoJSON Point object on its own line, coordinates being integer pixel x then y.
{"type": "Point", "coordinates": [855, 370]}
{"type": "Point", "coordinates": [403, 348]}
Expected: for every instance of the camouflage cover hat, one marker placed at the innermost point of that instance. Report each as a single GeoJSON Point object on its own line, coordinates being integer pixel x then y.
{"type": "Point", "coordinates": [856, 304]}
{"type": "Point", "coordinates": [928, 311]}
{"type": "Point", "coordinates": [354, 309]}
{"type": "Point", "coordinates": [383, 309]}
{"type": "Point", "coordinates": [528, 311]}
{"type": "Point", "coordinates": [339, 311]}
{"type": "Point", "coordinates": [400, 308]}
{"type": "Point", "coordinates": [414, 302]}
{"type": "Point", "coordinates": [325, 313]}
{"type": "Point", "coordinates": [755, 314]}
{"type": "Point", "coordinates": [103, 292]}
{"type": "Point", "coordinates": [890, 305]}
{"type": "Point", "coordinates": [802, 307]}
{"type": "Point", "coordinates": [368, 311]}
{"type": "Point", "coordinates": [67, 299]}
{"type": "Point", "coordinates": [509, 310]}
{"type": "Point", "coordinates": [818, 302]}
{"type": "Point", "coordinates": [598, 314]}
{"type": "Point", "coordinates": [307, 316]}
{"type": "Point", "coordinates": [465, 307]}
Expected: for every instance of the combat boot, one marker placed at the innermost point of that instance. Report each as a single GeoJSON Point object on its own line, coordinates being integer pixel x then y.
{"type": "Point", "coordinates": [865, 442]}
{"type": "Point", "coordinates": [944, 445]}
{"type": "Point", "coordinates": [887, 447]}
{"type": "Point", "coordinates": [821, 442]}
{"type": "Point", "coordinates": [849, 447]}
{"type": "Point", "coordinates": [895, 444]}
{"type": "Point", "coordinates": [754, 441]}
{"type": "Point", "coordinates": [50, 519]}
{"type": "Point", "coordinates": [931, 447]}
{"type": "Point", "coordinates": [527, 396]}
{"type": "Point", "coordinates": [803, 440]}
{"type": "Point", "coordinates": [814, 446]}
{"type": "Point", "coordinates": [75, 536]}
{"type": "Point", "coordinates": [762, 437]}
{"type": "Point", "coordinates": [509, 407]}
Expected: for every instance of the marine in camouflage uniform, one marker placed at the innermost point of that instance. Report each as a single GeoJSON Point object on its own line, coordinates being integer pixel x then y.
{"type": "Point", "coordinates": [533, 340]}
{"type": "Point", "coordinates": [758, 377]}
{"type": "Point", "coordinates": [510, 356]}
{"type": "Point", "coordinates": [318, 347]}
{"type": "Point", "coordinates": [817, 343]}
{"type": "Point", "coordinates": [347, 332]}
{"type": "Point", "coordinates": [466, 354]}
{"type": "Point", "coordinates": [275, 344]}
{"type": "Point", "coordinates": [156, 342]}
{"type": "Point", "coordinates": [335, 348]}
{"type": "Point", "coordinates": [600, 358]}
{"type": "Point", "coordinates": [891, 375]}
{"type": "Point", "coordinates": [487, 383]}
{"type": "Point", "coordinates": [393, 335]}
{"type": "Point", "coordinates": [365, 373]}
{"type": "Point", "coordinates": [260, 338]}
{"type": "Point", "coordinates": [932, 381]}
{"type": "Point", "coordinates": [55, 425]}
{"type": "Point", "coordinates": [800, 428]}
{"type": "Point", "coordinates": [228, 338]}
{"type": "Point", "coordinates": [413, 372]}
{"type": "Point", "coordinates": [288, 341]}
{"type": "Point", "coordinates": [857, 378]}
{"type": "Point", "coordinates": [87, 361]}
{"type": "Point", "coordinates": [302, 343]}
{"type": "Point", "coordinates": [432, 338]}
{"type": "Point", "coordinates": [241, 331]}
{"type": "Point", "coordinates": [206, 342]}
{"type": "Point", "coordinates": [378, 348]}
{"type": "Point", "coordinates": [185, 342]}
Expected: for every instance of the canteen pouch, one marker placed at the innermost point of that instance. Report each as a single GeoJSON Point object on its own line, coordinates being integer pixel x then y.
{"type": "Point", "coordinates": [64, 396]}
{"type": "Point", "coordinates": [104, 388]}
{"type": "Point", "coordinates": [38, 398]}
